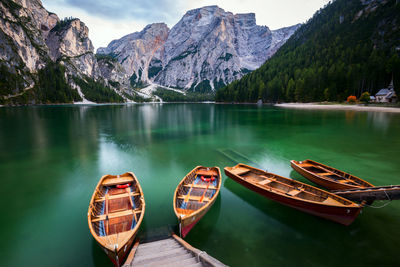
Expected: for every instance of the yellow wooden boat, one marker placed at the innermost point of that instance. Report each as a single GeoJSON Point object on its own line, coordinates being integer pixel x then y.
{"type": "Point", "coordinates": [195, 195]}
{"type": "Point", "coordinates": [115, 213]}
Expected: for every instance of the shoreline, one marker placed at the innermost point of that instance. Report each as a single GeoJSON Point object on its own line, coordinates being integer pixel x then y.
{"type": "Point", "coordinates": [103, 104]}
{"type": "Point", "coordinates": [318, 106]}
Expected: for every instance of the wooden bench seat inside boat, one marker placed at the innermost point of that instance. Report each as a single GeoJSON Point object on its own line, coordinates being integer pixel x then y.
{"type": "Point", "coordinates": [116, 214]}
{"type": "Point", "coordinates": [200, 186]}
{"type": "Point", "coordinates": [293, 192]}
{"type": "Point", "coordinates": [132, 194]}
{"type": "Point", "coordinates": [207, 172]}
{"type": "Point", "coordinates": [115, 181]}
{"type": "Point", "coordinates": [240, 171]}
{"type": "Point", "coordinates": [325, 173]}
{"type": "Point", "coordinates": [304, 165]}
{"type": "Point", "coordinates": [266, 180]}
{"type": "Point", "coordinates": [111, 239]}
{"type": "Point", "coordinates": [331, 201]}
{"type": "Point", "coordinates": [194, 198]}
{"type": "Point", "coordinates": [184, 211]}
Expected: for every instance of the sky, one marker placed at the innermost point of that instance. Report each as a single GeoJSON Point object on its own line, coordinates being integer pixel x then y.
{"type": "Point", "coordinates": [111, 19]}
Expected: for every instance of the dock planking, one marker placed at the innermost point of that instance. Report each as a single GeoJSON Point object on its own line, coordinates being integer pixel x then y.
{"type": "Point", "coordinates": [170, 251]}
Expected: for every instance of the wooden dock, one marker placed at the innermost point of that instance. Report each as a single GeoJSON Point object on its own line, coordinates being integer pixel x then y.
{"type": "Point", "coordinates": [171, 251]}
{"type": "Point", "coordinates": [370, 194]}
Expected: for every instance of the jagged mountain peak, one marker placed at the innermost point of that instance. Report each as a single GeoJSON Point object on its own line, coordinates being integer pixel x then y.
{"type": "Point", "coordinates": [208, 47]}
{"type": "Point", "coordinates": [153, 30]}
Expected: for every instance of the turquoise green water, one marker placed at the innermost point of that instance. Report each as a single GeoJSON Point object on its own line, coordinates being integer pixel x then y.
{"type": "Point", "coordinates": [52, 157]}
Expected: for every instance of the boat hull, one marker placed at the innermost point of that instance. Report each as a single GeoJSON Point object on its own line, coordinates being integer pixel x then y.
{"type": "Point", "coordinates": [122, 253]}
{"type": "Point", "coordinates": [326, 183]}
{"type": "Point", "coordinates": [187, 224]}
{"type": "Point", "coordinates": [342, 215]}
{"type": "Point", "coordinates": [188, 220]}
{"type": "Point", "coordinates": [122, 197]}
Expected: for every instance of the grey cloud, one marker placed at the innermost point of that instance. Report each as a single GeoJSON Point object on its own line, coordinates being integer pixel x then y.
{"type": "Point", "coordinates": [145, 10]}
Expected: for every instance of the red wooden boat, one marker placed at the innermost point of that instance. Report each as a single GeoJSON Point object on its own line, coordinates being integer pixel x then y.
{"type": "Point", "coordinates": [328, 177]}
{"type": "Point", "coordinates": [195, 195]}
{"type": "Point", "coordinates": [295, 194]}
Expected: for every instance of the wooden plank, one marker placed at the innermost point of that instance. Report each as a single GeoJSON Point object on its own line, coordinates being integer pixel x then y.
{"type": "Point", "coordinates": [331, 201]}
{"type": "Point", "coordinates": [294, 192]}
{"type": "Point", "coordinates": [304, 165]}
{"type": "Point", "coordinates": [194, 198]}
{"type": "Point", "coordinates": [116, 214]}
{"type": "Point", "coordinates": [131, 255]}
{"type": "Point", "coordinates": [100, 199]}
{"type": "Point", "coordinates": [326, 173]}
{"type": "Point", "coordinates": [240, 171]}
{"type": "Point", "coordinates": [106, 215]}
{"type": "Point", "coordinates": [200, 186]}
{"type": "Point", "coordinates": [266, 181]}
{"type": "Point", "coordinates": [184, 211]}
{"type": "Point", "coordinates": [207, 173]}
{"type": "Point", "coordinates": [115, 181]}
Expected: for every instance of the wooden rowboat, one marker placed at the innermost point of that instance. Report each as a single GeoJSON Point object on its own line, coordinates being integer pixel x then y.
{"type": "Point", "coordinates": [115, 213]}
{"type": "Point", "coordinates": [195, 195]}
{"type": "Point", "coordinates": [295, 194]}
{"type": "Point", "coordinates": [328, 177]}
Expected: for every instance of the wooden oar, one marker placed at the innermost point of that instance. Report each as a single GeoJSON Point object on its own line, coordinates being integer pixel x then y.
{"type": "Point", "coordinates": [128, 190]}
{"type": "Point", "coordinates": [205, 191]}
{"type": "Point", "coordinates": [106, 210]}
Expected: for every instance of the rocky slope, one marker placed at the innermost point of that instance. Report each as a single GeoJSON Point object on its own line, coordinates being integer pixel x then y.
{"type": "Point", "coordinates": [24, 27]}
{"type": "Point", "coordinates": [35, 42]}
{"type": "Point", "coordinates": [205, 50]}
{"type": "Point", "coordinates": [139, 53]}
{"type": "Point", "coordinates": [47, 60]}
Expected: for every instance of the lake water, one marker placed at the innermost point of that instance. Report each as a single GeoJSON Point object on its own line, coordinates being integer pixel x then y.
{"type": "Point", "coordinates": [51, 159]}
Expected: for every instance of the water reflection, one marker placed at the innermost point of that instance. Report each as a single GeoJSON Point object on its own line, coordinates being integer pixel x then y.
{"type": "Point", "coordinates": [52, 158]}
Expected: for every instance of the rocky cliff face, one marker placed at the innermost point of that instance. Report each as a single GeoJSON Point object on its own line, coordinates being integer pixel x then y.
{"type": "Point", "coordinates": [69, 41]}
{"type": "Point", "coordinates": [24, 25]}
{"type": "Point", "coordinates": [206, 49]}
{"type": "Point", "coordinates": [31, 37]}
{"type": "Point", "coordinates": [139, 53]}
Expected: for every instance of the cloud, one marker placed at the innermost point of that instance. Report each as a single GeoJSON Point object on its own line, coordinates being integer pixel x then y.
{"type": "Point", "coordinates": [154, 10]}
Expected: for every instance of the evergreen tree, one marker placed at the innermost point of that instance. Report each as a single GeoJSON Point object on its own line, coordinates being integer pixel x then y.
{"type": "Point", "coordinates": [329, 59]}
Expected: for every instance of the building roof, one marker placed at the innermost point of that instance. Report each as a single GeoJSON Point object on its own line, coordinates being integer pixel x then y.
{"type": "Point", "coordinates": [383, 92]}
{"type": "Point", "coordinates": [372, 97]}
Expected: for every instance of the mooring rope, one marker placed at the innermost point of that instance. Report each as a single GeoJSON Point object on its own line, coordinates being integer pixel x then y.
{"type": "Point", "coordinates": [384, 205]}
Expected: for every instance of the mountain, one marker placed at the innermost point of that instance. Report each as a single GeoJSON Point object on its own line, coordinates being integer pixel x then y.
{"type": "Point", "coordinates": [47, 60]}
{"type": "Point", "coordinates": [346, 48]}
{"type": "Point", "coordinates": [205, 50]}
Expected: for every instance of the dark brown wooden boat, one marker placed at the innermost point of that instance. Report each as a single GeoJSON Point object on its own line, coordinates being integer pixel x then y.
{"type": "Point", "coordinates": [195, 195]}
{"type": "Point", "coordinates": [115, 213]}
{"type": "Point", "coordinates": [328, 177]}
{"type": "Point", "coordinates": [295, 194]}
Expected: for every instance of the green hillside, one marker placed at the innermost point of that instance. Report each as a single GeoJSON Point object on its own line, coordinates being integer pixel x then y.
{"type": "Point", "coordinates": [346, 48]}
